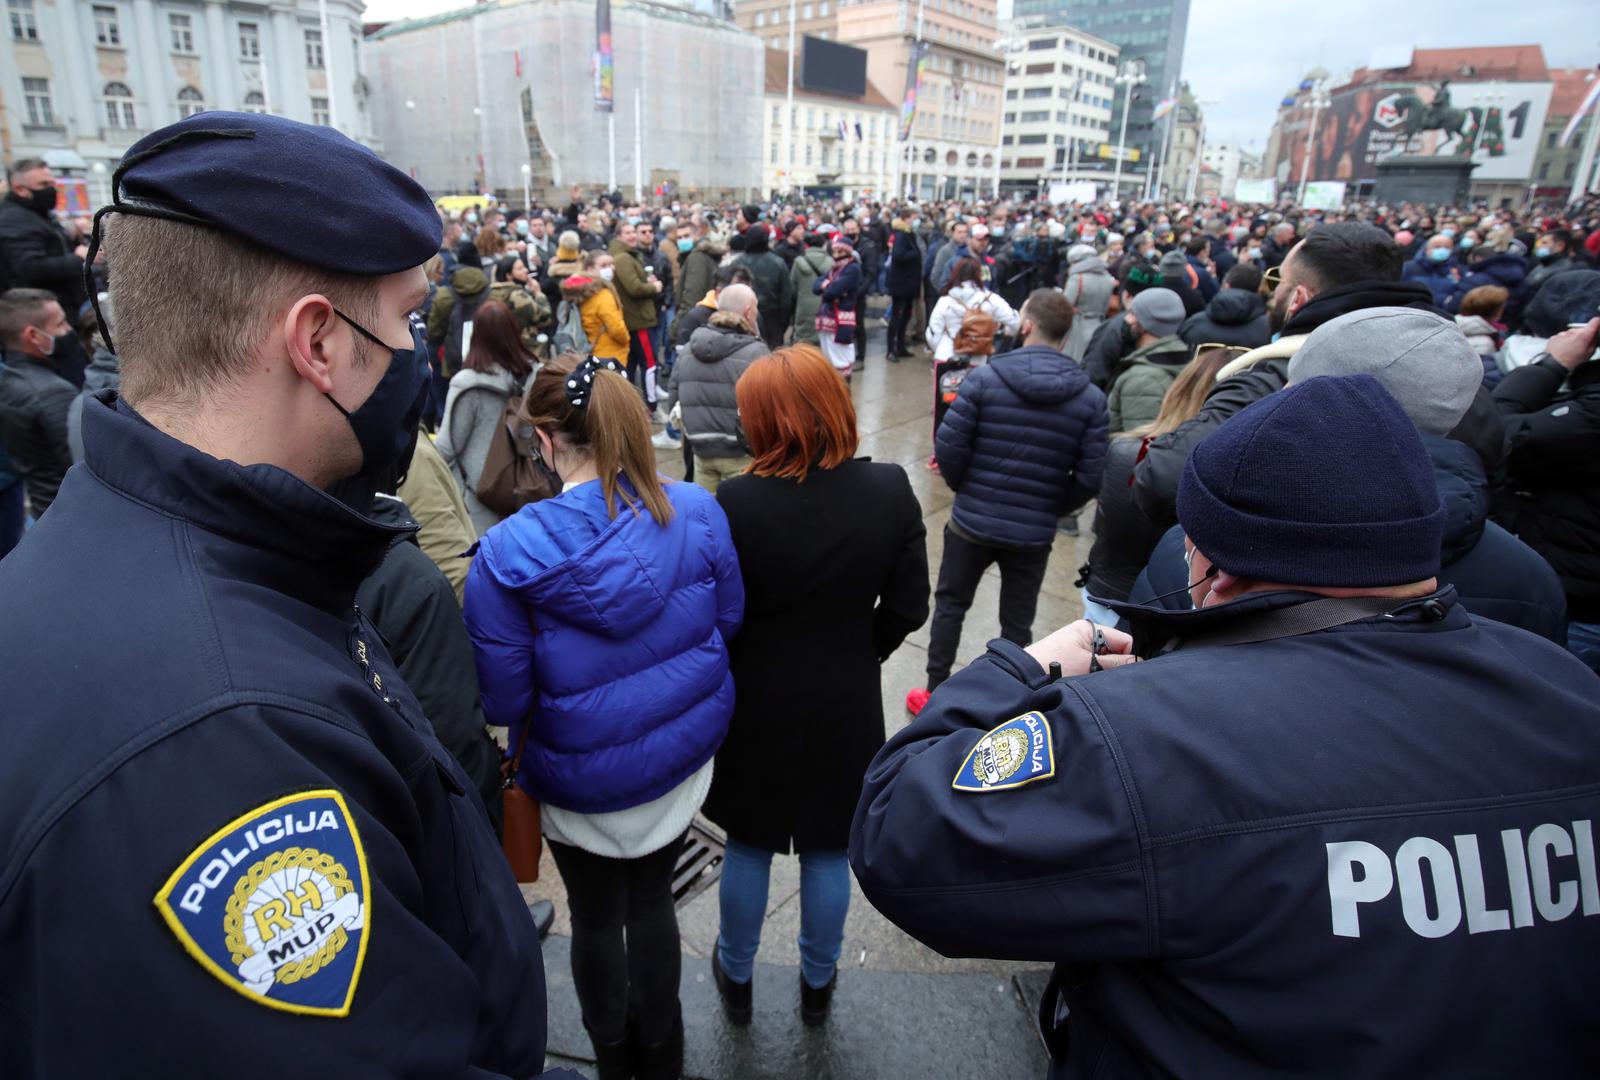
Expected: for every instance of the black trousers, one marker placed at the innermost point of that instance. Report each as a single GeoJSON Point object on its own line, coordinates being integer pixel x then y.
{"type": "Point", "coordinates": [963, 565]}
{"type": "Point", "coordinates": [898, 320]}
{"type": "Point", "coordinates": [625, 954]}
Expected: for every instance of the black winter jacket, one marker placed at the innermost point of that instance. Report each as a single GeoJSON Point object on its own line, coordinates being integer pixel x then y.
{"type": "Point", "coordinates": [1103, 358]}
{"type": "Point", "coordinates": [34, 403]}
{"type": "Point", "coordinates": [1123, 536]}
{"type": "Point", "coordinates": [904, 277]}
{"type": "Point", "coordinates": [1234, 317]}
{"type": "Point", "coordinates": [414, 607]}
{"type": "Point", "coordinates": [35, 254]}
{"type": "Point", "coordinates": [1554, 472]}
{"type": "Point", "coordinates": [774, 293]}
{"type": "Point", "coordinates": [1023, 443]}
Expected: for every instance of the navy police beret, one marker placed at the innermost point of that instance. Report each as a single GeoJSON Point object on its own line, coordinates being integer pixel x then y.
{"type": "Point", "coordinates": [306, 192]}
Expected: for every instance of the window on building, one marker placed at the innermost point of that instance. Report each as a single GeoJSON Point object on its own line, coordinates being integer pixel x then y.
{"type": "Point", "coordinates": [808, 153]}
{"type": "Point", "coordinates": [1030, 163]}
{"type": "Point", "coordinates": [1034, 92]}
{"type": "Point", "coordinates": [255, 101]}
{"type": "Point", "coordinates": [823, 34]}
{"type": "Point", "coordinates": [119, 106]}
{"type": "Point", "coordinates": [24, 24]}
{"type": "Point", "coordinates": [314, 50]}
{"type": "Point", "coordinates": [1031, 116]}
{"type": "Point", "coordinates": [1039, 69]}
{"type": "Point", "coordinates": [1550, 140]}
{"type": "Point", "coordinates": [1041, 44]}
{"type": "Point", "coordinates": [1007, 140]}
{"type": "Point", "coordinates": [182, 28]}
{"type": "Point", "coordinates": [761, 19]}
{"type": "Point", "coordinates": [826, 154]}
{"type": "Point", "coordinates": [320, 113]}
{"type": "Point", "coordinates": [106, 30]}
{"type": "Point", "coordinates": [807, 11]}
{"type": "Point", "coordinates": [811, 121]}
{"type": "Point", "coordinates": [1011, 118]}
{"type": "Point", "coordinates": [190, 101]}
{"type": "Point", "coordinates": [822, 10]}
{"type": "Point", "coordinates": [249, 41]}
{"type": "Point", "coordinates": [1572, 167]}
{"type": "Point", "coordinates": [855, 159]}
{"type": "Point", "coordinates": [1032, 140]}
{"type": "Point", "coordinates": [774, 159]}
{"type": "Point", "coordinates": [1544, 170]}
{"type": "Point", "coordinates": [777, 112]}
{"type": "Point", "coordinates": [36, 100]}
{"type": "Point", "coordinates": [1011, 95]}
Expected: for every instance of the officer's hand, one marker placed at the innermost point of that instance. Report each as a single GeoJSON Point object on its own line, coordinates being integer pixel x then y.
{"type": "Point", "coordinates": [1073, 646]}
{"type": "Point", "coordinates": [1572, 347]}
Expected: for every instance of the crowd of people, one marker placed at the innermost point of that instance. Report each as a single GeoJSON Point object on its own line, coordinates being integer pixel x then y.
{"type": "Point", "coordinates": [366, 539]}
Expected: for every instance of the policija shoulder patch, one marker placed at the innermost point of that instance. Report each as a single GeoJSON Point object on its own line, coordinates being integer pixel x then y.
{"type": "Point", "coordinates": [275, 904]}
{"type": "Point", "coordinates": [1016, 753]}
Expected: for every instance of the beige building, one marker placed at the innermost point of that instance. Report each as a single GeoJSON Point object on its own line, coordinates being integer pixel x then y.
{"type": "Point", "coordinates": [954, 145]}
{"type": "Point", "coordinates": [769, 20]}
{"type": "Point", "coordinates": [842, 146]}
{"type": "Point", "coordinates": [1058, 94]}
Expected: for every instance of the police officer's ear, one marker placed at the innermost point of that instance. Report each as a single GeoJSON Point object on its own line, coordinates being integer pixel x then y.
{"type": "Point", "coordinates": [314, 342]}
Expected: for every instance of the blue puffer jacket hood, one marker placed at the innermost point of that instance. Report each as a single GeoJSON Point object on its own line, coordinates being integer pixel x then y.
{"type": "Point", "coordinates": [612, 634]}
{"type": "Point", "coordinates": [1503, 269]}
{"type": "Point", "coordinates": [1040, 375]}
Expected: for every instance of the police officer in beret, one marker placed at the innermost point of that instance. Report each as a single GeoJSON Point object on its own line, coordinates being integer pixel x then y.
{"type": "Point", "coordinates": [230, 844]}
{"type": "Point", "coordinates": [1331, 825]}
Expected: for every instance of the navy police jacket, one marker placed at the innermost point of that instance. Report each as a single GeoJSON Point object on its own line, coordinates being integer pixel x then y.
{"type": "Point", "coordinates": [1364, 851]}
{"type": "Point", "coordinates": [230, 844]}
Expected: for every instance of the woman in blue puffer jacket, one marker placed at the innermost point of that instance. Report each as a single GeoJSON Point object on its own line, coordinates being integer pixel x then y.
{"type": "Point", "coordinates": [600, 620]}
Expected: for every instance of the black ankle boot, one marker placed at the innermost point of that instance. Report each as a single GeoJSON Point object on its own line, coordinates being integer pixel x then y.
{"type": "Point", "coordinates": [814, 1002]}
{"type": "Point", "coordinates": [614, 1060]}
{"type": "Point", "coordinates": [663, 1060]}
{"type": "Point", "coordinates": [735, 995]}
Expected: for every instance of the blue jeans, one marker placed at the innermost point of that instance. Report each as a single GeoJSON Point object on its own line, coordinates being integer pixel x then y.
{"type": "Point", "coordinates": [824, 901]}
{"type": "Point", "coordinates": [1583, 641]}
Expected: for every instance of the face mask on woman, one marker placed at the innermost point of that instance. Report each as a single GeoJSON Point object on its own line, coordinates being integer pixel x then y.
{"type": "Point", "coordinates": [607, 272]}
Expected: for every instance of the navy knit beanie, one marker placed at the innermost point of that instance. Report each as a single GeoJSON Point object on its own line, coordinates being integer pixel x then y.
{"type": "Point", "coordinates": [1325, 483]}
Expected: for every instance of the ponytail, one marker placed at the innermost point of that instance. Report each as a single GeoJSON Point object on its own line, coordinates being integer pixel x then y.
{"type": "Point", "coordinates": [619, 438]}
{"type": "Point", "coordinates": [612, 428]}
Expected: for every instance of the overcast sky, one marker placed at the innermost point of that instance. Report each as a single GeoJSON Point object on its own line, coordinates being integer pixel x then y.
{"type": "Point", "coordinates": [1243, 54]}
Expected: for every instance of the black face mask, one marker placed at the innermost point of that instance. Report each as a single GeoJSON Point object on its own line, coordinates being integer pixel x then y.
{"type": "Point", "coordinates": [385, 424]}
{"type": "Point", "coordinates": [41, 199]}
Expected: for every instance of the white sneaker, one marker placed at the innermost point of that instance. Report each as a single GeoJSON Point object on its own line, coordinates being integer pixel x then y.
{"type": "Point", "coordinates": [662, 441]}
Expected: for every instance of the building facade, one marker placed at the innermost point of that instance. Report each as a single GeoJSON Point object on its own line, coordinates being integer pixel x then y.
{"type": "Point", "coordinates": [953, 145]}
{"type": "Point", "coordinates": [769, 20]}
{"type": "Point", "coordinates": [1487, 105]}
{"type": "Point", "coordinates": [466, 98]}
{"type": "Point", "coordinates": [1057, 118]}
{"type": "Point", "coordinates": [1179, 174]}
{"type": "Point", "coordinates": [87, 78]}
{"type": "Point", "coordinates": [1555, 169]}
{"type": "Point", "coordinates": [842, 147]}
{"type": "Point", "coordinates": [1226, 164]}
{"type": "Point", "coordinates": [1149, 35]}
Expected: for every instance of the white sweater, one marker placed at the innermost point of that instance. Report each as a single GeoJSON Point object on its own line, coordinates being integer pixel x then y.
{"type": "Point", "coordinates": [953, 307]}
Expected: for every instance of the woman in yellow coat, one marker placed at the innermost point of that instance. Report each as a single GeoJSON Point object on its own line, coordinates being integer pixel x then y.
{"type": "Point", "coordinates": [591, 290]}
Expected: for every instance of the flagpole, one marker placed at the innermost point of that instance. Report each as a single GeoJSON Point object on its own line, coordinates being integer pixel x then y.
{"type": "Point", "coordinates": [1582, 180]}
{"type": "Point", "coordinates": [788, 116]}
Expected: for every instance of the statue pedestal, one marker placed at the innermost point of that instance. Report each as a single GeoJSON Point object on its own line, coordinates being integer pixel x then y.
{"type": "Point", "coordinates": [1433, 181]}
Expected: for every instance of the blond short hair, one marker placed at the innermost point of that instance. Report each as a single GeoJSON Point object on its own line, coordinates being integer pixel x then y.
{"type": "Point", "coordinates": [194, 304]}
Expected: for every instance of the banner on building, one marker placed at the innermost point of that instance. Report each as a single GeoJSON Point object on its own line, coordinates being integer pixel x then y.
{"type": "Point", "coordinates": [914, 72]}
{"type": "Point", "coordinates": [1109, 152]}
{"type": "Point", "coordinates": [1256, 191]}
{"type": "Point", "coordinates": [603, 74]}
{"type": "Point", "coordinates": [1365, 124]}
{"type": "Point", "coordinates": [1324, 195]}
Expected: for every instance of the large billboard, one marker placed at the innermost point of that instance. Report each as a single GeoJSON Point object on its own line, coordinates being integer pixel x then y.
{"type": "Point", "coordinates": [832, 68]}
{"type": "Point", "coordinates": [1497, 124]}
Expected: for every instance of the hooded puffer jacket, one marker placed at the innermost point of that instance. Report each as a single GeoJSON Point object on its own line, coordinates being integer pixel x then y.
{"type": "Point", "coordinates": [601, 312]}
{"type": "Point", "coordinates": [1135, 398]}
{"type": "Point", "coordinates": [611, 635]}
{"type": "Point", "coordinates": [1234, 317]}
{"type": "Point", "coordinates": [1023, 443]}
{"type": "Point", "coordinates": [704, 379]}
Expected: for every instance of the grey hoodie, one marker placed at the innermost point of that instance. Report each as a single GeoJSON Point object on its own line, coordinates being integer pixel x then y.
{"type": "Point", "coordinates": [473, 408]}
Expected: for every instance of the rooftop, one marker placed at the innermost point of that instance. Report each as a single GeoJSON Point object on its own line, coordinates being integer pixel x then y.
{"type": "Point", "coordinates": [1511, 63]}
{"type": "Point", "coordinates": [1571, 87]}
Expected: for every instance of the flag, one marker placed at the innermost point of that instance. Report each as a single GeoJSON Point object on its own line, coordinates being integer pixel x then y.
{"type": "Point", "coordinates": [604, 76]}
{"type": "Point", "coordinates": [914, 70]}
{"type": "Point", "coordinates": [1579, 113]}
{"type": "Point", "coordinates": [858, 131]}
{"type": "Point", "coordinates": [517, 56]}
{"type": "Point", "coordinates": [844, 132]}
{"type": "Point", "coordinates": [1163, 107]}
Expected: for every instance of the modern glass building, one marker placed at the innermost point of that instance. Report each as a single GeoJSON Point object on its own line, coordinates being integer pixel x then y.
{"type": "Point", "coordinates": [1150, 32]}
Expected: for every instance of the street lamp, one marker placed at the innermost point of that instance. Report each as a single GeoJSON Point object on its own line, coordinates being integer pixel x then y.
{"type": "Point", "coordinates": [527, 178]}
{"type": "Point", "coordinates": [1130, 77]}
{"type": "Point", "coordinates": [1319, 100]}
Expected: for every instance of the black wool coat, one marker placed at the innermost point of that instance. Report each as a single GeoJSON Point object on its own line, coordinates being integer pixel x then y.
{"type": "Point", "coordinates": [835, 574]}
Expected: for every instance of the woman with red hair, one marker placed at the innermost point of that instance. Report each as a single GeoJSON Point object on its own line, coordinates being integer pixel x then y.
{"type": "Point", "coordinates": [834, 560]}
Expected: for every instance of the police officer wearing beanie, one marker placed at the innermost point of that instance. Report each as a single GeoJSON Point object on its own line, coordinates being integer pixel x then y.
{"type": "Point", "coordinates": [1332, 825]}
{"type": "Point", "coordinates": [230, 843]}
